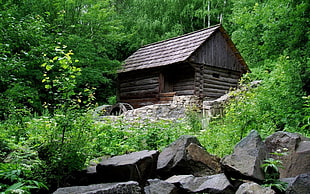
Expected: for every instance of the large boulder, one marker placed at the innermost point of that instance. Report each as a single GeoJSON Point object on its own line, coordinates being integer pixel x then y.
{"type": "Point", "coordinates": [246, 159]}
{"type": "Point", "coordinates": [210, 184]}
{"type": "Point", "coordinates": [157, 186]}
{"type": "Point", "coordinates": [299, 184]}
{"type": "Point", "coordinates": [137, 166]}
{"type": "Point", "coordinates": [200, 162]}
{"type": "Point", "coordinates": [131, 187]}
{"type": "Point", "coordinates": [254, 188]}
{"type": "Point", "coordinates": [187, 156]}
{"type": "Point", "coordinates": [295, 151]}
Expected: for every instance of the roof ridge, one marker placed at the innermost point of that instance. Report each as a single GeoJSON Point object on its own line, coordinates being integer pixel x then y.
{"type": "Point", "coordinates": [187, 34]}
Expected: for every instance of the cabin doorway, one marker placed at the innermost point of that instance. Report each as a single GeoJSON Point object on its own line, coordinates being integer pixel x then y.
{"type": "Point", "coordinates": [166, 82]}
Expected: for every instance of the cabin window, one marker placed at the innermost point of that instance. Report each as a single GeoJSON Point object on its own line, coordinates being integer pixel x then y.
{"type": "Point", "coordinates": [215, 75]}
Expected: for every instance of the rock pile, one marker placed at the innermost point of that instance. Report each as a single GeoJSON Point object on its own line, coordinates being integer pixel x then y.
{"type": "Point", "coordinates": [186, 167]}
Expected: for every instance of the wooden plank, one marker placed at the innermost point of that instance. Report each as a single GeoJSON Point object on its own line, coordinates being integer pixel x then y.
{"type": "Point", "coordinates": [219, 82]}
{"type": "Point", "coordinates": [227, 80]}
{"type": "Point", "coordinates": [168, 94]}
{"type": "Point", "coordinates": [217, 52]}
{"type": "Point", "coordinates": [185, 92]}
{"type": "Point", "coordinates": [219, 69]}
{"type": "Point", "coordinates": [216, 86]}
{"type": "Point", "coordinates": [132, 95]}
{"type": "Point", "coordinates": [166, 98]}
{"type": "Point", "coordinates": [139, 82]}
{"type": "Point", "coordinates": [139, 88]}
{"type": "Point", "coordinates": [222, 74]}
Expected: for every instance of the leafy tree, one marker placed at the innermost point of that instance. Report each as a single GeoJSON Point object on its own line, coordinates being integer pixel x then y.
{"type": "Point", "coordinates": [267, 29]}
{"type": "Point", "coordinates": [154, 20]}
{"type": "Point", "coordinates": [22, 41]}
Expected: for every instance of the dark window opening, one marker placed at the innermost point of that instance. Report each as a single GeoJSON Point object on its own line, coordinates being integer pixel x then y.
{"type": "Point", "coordinates": [216, 75]}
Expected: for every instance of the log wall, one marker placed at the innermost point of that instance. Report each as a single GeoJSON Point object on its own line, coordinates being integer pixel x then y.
{"type": "Point", "coordinates": [218, 81]}
{"type": "Point", "coordinates": [139, 88]}
{"type": "Point", "coordinates": [216, 52]}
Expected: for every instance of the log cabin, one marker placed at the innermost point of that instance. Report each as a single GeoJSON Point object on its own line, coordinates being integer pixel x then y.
{"type": "Point", "coordinates": [203, 63]}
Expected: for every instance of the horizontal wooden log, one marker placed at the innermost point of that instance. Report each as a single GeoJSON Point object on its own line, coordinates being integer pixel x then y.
{"type": "Point", "coordinates": [216, 86]}
{"type": "Point", "coordinates": [185, 92]}
{"type": "Point", "coordinates": [133, 95]}
{"type": "Point", "coordinates": [219, 74]}
{"type": "Point", "coordinates": [227, 80]}
{"type": "Point", "coordinates": [139, 82]}
{"type": "Point", "coordinates": [219, 82]}
{"type": "Point", "coordinates": [139, 88]}
{"type": "Point", "coordinates": [221, 70]}
{"type": "Point", "coordinates": [141, 74]}
{"type": "Point", "coordinates": [167, 94]}
{"type": "Point", "coordinates": [166, 99]}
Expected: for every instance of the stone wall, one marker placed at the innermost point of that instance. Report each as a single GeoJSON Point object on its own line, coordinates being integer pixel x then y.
{"type": "Point", "coordinates": [177, 109]}
{"type": "Point", "coordinates": [174, 110]}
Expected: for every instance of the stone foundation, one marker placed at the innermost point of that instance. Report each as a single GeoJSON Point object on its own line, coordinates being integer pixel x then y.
{"type": "Point", "coordinates": [174, 110]}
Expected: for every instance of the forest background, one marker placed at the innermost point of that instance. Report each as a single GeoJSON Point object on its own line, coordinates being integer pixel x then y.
{"type": "Point", "coordinates": [59, 59]}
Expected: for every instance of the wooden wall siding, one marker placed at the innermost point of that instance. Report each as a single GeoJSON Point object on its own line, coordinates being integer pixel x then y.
{"type": "Point", "coordinates": [216, 52]}
{"type": "Point", "coordinates": [218, 81]}
{"type": "Point", "coordinates": [183, 79]}
{"type": "Point", "coordinates": [139, 88]}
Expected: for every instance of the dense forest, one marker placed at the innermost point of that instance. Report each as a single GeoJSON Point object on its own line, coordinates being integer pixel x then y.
{"type": "Point", "coordinates": [59, 60]}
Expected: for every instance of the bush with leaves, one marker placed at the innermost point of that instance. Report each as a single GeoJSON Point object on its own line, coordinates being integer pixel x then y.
{"type": "Point", "coordinates": [271, 169]}
{"type": "Point", "coordinates": [275, 104]}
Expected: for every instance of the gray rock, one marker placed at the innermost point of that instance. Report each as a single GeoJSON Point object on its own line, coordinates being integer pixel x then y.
{"type": "Point", "coordinates": [297, 150]}
{"type": "Point", "coordinates": [186, 156]}
{"type": "Point", "coordinates": [157, 186]}
{"type": "Point", "coordinates": [254, 188]}
{"type": "Point", "coordinates": [299, 184]}
{"type": "Point", "coordinates": [129, 187]}
{"type": "Point", "coordinates": [179, 179]}
{"type": "Point", "coordinates": [200, 162]}
{"type": "Point", "coordinates": [246, 160]}
{"type": "Point", "coordinates": [137, 166]}
{"type": "Point", "coordinates": [210, 184]}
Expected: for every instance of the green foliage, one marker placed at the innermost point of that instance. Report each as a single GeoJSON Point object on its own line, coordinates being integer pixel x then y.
{"type": "Point", "coordinates": [194, 118]}
{"type": "Point", "coordinates": [44, 127]}
{"type": "Point", "coordinates": [59, 80]}
{"type": "Point", "coordinates": [118, 137]}
{"type": "Point", "coordinates": [154, 20]}
{"type": "Point", "coordinates": [61, 143]}
{"type": "Point", "coordinates": [271, 169]}
{"type": "Point", "coordinates": [19, 171]}
{"type": "Point", "coordinates": [262, 32]}
{"type": "Point", "coordinates": [274, 105]}
{"type": "Point", "coordinates": [306, 120]}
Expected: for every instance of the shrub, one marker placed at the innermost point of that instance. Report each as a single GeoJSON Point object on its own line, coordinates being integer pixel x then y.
{"type": "Point", "coordinates": [275, 104]}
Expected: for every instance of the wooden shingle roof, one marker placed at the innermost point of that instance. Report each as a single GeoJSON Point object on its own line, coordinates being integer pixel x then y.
{"type": "Point", "coordinates": [170, 51]}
